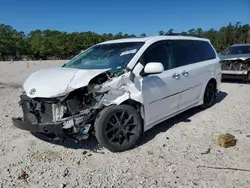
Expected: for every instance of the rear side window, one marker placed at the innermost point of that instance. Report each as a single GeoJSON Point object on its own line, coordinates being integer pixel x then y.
{"type": "Point", "coordinates": [205, 50]}
{"type": "Point", "coordinates": [184, 52]}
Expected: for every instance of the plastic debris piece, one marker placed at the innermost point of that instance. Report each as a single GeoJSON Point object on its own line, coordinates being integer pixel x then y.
{"type": "Point", "coordinates": [206, 152]}
{"type": "Point", "coordinates": [23, 175]}
{"type": "Point", "coordinates": [65, 172]}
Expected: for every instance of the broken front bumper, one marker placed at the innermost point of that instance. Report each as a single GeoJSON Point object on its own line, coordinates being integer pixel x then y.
{"type": "Point", "coordinates": [230, 74]}
{"type": "Point", "coordinates": [55, 128]}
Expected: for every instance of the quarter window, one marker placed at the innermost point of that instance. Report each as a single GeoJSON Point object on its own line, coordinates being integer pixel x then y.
{"type": "Point", "coordinates": [184, 52]}
{"type": "Point", "coordinates": [205, 50]}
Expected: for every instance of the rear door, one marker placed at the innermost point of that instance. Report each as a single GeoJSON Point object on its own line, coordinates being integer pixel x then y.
{"type": "Point", "coordinates": [192, 71]}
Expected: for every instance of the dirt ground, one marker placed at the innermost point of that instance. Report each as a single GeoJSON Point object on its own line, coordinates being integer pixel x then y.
{"type": "Point", "coordinates": [172, 154]}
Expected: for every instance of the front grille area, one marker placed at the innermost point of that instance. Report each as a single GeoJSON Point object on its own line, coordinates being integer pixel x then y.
{"type": "Point", "coordinates": [36, 111]}
{"type": "Point", "coordinates": [46, 113]}
{"type": "Point", "coordinates": [231, 65]}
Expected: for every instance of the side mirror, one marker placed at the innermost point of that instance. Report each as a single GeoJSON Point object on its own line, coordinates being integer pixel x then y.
{"type": "Point", "coordinates": [153, 68]}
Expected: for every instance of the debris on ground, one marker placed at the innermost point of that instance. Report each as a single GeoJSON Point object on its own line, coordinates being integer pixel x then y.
{"type": "Point", "coordinates": [226, 140]}
{"type": "Point", "coordinates": [62, 185]}
{"type": "Point", "coordinates": [161, 157]}
{"type": "Point", "coordinates": [23, 175]}
{"type": "Point", "coordinates": [65, 172]}
{"type": "Point", "coordinates": [150, 153]}
{"type": "Point", "coordinates": [223, 168]}
{"type": "Point", "coordinates": [78, 162]}
{"type": "Point", "coordinates": [206, 152]}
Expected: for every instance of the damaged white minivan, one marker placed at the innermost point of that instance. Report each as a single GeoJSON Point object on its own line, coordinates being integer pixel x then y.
{"type": "Point", "coordinates": [117, 90]}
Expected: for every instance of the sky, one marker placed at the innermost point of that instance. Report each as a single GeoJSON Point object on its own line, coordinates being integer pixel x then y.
{"type": "Point", "coordinates": [126, 16]}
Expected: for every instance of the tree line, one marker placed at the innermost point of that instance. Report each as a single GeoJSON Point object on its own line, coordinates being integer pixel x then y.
{"type": "Point", "coordinates": [52, 44]}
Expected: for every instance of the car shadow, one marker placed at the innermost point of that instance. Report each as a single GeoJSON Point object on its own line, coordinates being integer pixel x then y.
{"type": "Point", "coordinates": [88, 144]}
{"type": "Point", "coordinates": [92, 144]}
{"type": "Point", "coordinates": [183, 117]}
{"type": "Point", "coordinates": [221, 95]}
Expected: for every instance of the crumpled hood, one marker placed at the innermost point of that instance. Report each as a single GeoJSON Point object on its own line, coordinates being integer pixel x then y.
{"type": "Point", "coordinates": [242, 57]}
{"type": "Point", "coordinates": [55, 82]}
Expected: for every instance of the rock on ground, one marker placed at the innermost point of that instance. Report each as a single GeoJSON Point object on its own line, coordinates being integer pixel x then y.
{"type": "Point", "coordinates": [169, 155]}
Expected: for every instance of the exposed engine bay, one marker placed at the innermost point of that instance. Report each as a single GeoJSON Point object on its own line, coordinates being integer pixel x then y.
{"type": "Point", "coordinates": [74, 113]}
{"type": "Point", "coordinates": [235, 64]}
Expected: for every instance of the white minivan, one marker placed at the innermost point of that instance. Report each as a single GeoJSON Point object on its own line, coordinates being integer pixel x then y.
{"type": "Point", "coordinates": [118, 89]}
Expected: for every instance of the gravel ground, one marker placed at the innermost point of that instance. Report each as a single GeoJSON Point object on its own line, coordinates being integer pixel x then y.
{"type": "Point", "coordinates": [172, 154]}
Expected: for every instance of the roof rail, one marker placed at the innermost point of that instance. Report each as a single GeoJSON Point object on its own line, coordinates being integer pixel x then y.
{"type": "Point", "coordinates": [182, 34]}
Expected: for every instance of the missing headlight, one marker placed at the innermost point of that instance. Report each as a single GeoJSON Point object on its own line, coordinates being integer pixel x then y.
{"type": "Point", "coordinates": [74, 106]}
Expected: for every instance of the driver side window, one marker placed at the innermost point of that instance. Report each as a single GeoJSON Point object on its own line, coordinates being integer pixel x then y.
{"type": "Point", "coordinates": [158, 52]}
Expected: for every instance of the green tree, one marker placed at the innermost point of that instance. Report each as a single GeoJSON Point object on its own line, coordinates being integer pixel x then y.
{"type": "Point", "coordinates": [12, 43]}
{"type": "Point", "coordinates": [161, 33]}
{"type": "Point", "coordinates": [56, 44]}
{"type": "Point", "coordinates": [199, 31]}
{"type": "Point", "coordinates": [170, 31]}
{"type": "Point", "coordinates": [191, 31]}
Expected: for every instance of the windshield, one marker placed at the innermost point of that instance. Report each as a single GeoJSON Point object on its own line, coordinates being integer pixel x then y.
{"type": "Point", "coordinates": [237, 50]}
{"type": "Point", "coordinates": [106, 56]}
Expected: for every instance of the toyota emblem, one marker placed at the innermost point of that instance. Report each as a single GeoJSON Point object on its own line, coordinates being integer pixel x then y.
{"type": "Point", "coordinates": [32, 91]}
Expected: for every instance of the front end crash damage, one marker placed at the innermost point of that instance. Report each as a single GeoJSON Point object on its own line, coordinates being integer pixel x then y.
{"type": "Point", "coordinates": [73, 115]}
{"type": "Point", "coordinates": [235, 67]}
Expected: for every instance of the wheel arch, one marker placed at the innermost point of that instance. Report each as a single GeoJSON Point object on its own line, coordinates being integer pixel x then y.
{"type": "Point", "coordinates": [211, 80]}
{"type": "Point", "coordinates": [204, 88]}
{"type": "Point", "coordinates": [214, 81]}
{"type": "Point", "coordinates": [138, 106]}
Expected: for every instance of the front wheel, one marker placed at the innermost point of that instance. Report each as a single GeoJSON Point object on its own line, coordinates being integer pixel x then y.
{"type": "Point", "coordinates": [118, 127]}
{"type": "Point", "coordinates": [209, 95]}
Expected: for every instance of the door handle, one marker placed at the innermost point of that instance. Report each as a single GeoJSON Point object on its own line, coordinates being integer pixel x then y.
{"type": "Point", "coordinates": [176, 76]}
{"type": "Point", "coordinates": [185, 73]}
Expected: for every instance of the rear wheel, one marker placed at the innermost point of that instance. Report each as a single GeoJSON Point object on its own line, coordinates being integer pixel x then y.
{"type": "Point", "coordinates": [209, 95]}
{"type": "Point", "coordinates": [118, 128]}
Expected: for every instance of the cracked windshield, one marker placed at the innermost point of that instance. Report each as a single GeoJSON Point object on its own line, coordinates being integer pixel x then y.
{"type": "Point", "coordinates": [106, 56]}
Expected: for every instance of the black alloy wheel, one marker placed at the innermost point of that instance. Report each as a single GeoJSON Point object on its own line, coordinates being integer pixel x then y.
{"type": "Point", "coordinates": [209, 95]}
{"type": "Point", "coordinates": [118, 127]}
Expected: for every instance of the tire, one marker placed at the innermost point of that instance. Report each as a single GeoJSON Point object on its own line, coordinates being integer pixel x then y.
{"type": "Point", "coordinates": [111, 131]}
{"type": "Point", "coordinates": [248, 78]}
{"type": "Point", "coordinates": [209, 96]}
